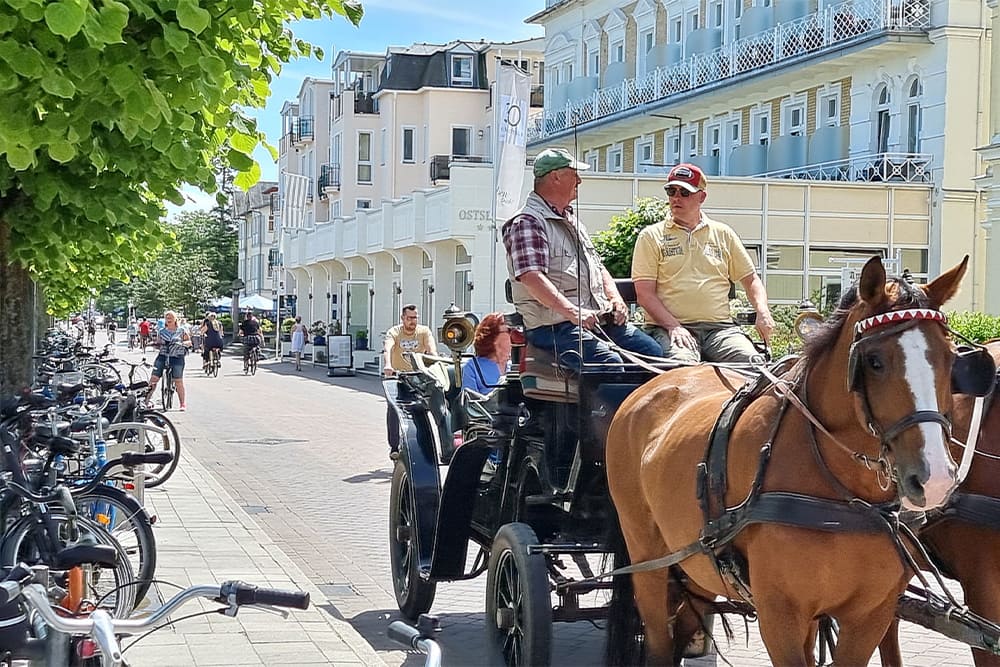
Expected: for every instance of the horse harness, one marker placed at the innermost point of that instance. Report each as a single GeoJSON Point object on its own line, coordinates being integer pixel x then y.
{"type": "Point", "coordinates": [851, 514]}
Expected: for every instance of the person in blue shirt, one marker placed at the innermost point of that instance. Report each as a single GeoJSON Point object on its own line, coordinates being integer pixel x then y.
{"type": "Point", "coordinates": [492, 346]}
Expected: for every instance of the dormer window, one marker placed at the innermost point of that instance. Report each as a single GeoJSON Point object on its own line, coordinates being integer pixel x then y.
{"type": "Point", "coordinates": [461, 70]}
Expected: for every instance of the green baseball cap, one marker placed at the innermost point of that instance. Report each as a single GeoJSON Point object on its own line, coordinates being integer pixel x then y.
{"type": "Point", "coordinates": [556, 158]}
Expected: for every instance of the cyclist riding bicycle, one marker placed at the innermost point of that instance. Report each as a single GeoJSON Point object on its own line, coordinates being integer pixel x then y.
{"type": "Point", "coordinates": [211, 329]}
{"type": "Point", "coordinates": [173, 342]}
{"type": "Point", "coordinates": [250, 332]}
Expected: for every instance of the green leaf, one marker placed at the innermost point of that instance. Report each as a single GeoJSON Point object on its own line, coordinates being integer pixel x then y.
{"type": "Point", "coordinates": [351, 9]}
{"type": "Point", "coordinates": [213, 65]}
{"type": "Point", "coordinates": [56, 84]}
{"type": "Point", "coordinates": [247, 179]}
{"type": "Point", "coordinates": [65, 18]}
{"type": "Point", "coordinates": [20, 158]}
{"type": "Point", "coordinates": [106, 25]}
{"type": "Point", "coordinates": [239, 161]}
{"type": "Point", "coordinates": [192, 17]}
{"type": "Point", "coordinates": [244, 143]}
{"type": "Point", "coordinates": [23, 59]}
{"type": "Point", "coordinates": [176, 38]}
{"type": "Point", "coordinates": [62, 151]}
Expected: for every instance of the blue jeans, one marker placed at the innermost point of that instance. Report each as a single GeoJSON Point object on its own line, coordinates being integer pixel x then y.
{"type": "Point", "coordinates": [563, 341]}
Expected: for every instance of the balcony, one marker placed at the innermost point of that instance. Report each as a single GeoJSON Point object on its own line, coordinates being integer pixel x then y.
{"type": "Point", "coordinates": [303, 130]}
{"type": "Point", "coordinates": [833, 28]}
{"type": "Point", "coordinates": [329, 178]}
{"type": "Point", "coordinates": [440, 164]}
{"type": "Point", "coordinates": [365, 103]}
{"type": "Point", "coordinates": [872, 168]}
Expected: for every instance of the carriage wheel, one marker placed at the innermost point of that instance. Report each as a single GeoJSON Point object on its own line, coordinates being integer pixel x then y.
{"type": "Point", "coordinates": [518, 600]}
{"type": "Point", "coordinates": [414, 595]}
{"type": "Point", "coordinates": [826, 641]}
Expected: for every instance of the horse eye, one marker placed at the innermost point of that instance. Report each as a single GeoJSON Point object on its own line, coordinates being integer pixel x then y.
{"type": "Point", "coordinates": [874, 362]}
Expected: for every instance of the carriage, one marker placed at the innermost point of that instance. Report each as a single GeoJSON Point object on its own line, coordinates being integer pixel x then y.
{"type": "Point", "coordinates": [528, 490]}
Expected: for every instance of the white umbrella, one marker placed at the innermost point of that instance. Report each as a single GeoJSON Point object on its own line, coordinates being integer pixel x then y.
{"type": "Point", "coordinates": [257, 302]}
{"type": "Point", "coordinates": [221, 302]}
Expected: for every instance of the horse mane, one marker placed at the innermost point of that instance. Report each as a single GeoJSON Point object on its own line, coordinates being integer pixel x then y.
{"type": "Point", "coordinates": [901, 295]}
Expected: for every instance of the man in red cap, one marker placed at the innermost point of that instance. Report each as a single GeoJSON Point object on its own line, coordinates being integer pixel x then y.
{"type": "Point", "coordinates": [682, 269]}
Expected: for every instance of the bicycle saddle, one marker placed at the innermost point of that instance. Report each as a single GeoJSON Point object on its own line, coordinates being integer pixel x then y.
{"type": "Point", "coordinates": [87, 422]}
{"type": "Point", "coordinates": [104, 555]}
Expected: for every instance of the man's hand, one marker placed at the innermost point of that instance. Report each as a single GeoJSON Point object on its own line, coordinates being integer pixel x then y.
{"type": "Point", "coordinates": [765, 326]}
{"type": "Point", "coordinates": [682, 338]}
{"type": "Point", "coordinates": [583, 317]}
{"type": "Point", "coordinates": [620, 311]}
{"type": "Point", "coordinates": [388, 371]}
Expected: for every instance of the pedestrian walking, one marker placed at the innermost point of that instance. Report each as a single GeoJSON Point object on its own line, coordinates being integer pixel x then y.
{"type": "Point", "coordinates": [300, 336]}
{"type": "Point", "coordinates": [112, 328]}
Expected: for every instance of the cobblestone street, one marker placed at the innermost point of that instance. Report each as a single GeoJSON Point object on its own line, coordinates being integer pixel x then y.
{"type": "Point", "coordinates": [305, 456]}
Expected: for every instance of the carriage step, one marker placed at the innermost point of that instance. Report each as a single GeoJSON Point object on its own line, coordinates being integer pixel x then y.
{"type": "Point", "coordinates": [549, 498]}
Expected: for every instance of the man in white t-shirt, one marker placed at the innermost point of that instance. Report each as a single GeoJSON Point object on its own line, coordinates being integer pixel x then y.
{"type": "Point", "coordinates": [408, 336]}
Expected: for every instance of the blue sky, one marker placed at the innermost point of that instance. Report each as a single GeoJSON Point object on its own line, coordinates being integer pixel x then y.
{"type": "Point", "coordinates": [385, 23]}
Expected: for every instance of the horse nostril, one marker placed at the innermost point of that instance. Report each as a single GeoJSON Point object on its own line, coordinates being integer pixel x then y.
{"type": "Point", "coordinates": [913, 488]}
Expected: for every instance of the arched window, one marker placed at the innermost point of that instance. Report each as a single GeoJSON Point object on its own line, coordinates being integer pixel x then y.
{"type": "Point", "coordinates": [882, 119]}
{"type": "Point", "coordinates": [914, 117]}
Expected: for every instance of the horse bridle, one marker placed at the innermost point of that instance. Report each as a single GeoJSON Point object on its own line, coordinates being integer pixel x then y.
{"type": "Point", "coordinates": [888, 324]}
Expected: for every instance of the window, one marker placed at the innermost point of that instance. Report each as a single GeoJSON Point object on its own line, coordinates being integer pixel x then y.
{"type": "Point", "coordinates": [676, 31]}
{"type": "Point", "coordinates": [645, 44]}
{"type": "Point", "coordinates": [594, 63]}
{"type": "Point", "coordinates": [408, 139]}
{"type": "Point", "coordinates": [615, 160]}
{"type": "Point", "coordinates": [713, 140]}
{"type": "Point", "coordinates": [882, 119]}
{"type": "Point", "coordinates": [734, 133]}
{"type": "Point", "coordinates": [913, 116]}
{"type": "Point", "coordinates": [643, 154]}
{"type": "Point", "coordinates": [674, 154]}
{"type": "Point", "coordinates": [618, 52]}
{"type": "Point", "coordinates": [691, 143]}
{"type": "Point", "coordinates": [828, 110]}
{"type": "Point", "coordinates": [337, 209]}
{"type": "Point", "coordinates": [693, 20]}
{"type": "Point", "coordinates": [715, 14]}
{"type": "Point", "coordinates": [591, 159]}
{"type": "Point", "coordinates": [461, 141]}
{"type": "Point", "coordinates": [362, 203]}
{"type": "Point", "coordinates": [427, 143]}
{"type": "Point", "coordinates": [794, 120]}
{"type": "Point", "coordinates": [364, 157]}
{"type": "Point", "coordinates": [760, 121]}
{"type": "Point", "coordinates": [461, 70]}
{"type": "Point", "coordinates": [383, 147]}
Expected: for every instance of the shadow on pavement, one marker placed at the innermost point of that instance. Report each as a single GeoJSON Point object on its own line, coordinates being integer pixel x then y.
{"type": "Point", "coordinates": [380, 475]}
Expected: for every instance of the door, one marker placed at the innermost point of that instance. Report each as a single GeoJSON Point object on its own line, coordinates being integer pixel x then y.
{"type": "Point", "coordinates": [356, 302]}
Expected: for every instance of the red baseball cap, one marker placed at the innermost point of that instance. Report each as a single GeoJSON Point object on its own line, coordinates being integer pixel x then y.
{"type": "Point", "coordinates": [687, 176]}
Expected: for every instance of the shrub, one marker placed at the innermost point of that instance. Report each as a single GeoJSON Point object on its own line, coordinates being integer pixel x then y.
{"type": "Point", "coordinates": [318, 328]}
{"type": "Point", "coordinates": [286, 324]}
{"type": "Point", "coordinates": [978, 327]}
{"type": "Point", "coordinates": [226, 320]}
{"type": "Point", "coordinates": [266, 325]}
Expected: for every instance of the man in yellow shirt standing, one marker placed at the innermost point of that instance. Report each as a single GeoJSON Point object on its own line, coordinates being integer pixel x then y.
{"type": "Point", "coordinates": [682, 268]}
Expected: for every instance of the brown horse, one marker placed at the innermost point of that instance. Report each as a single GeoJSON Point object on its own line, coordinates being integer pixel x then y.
{"type": "Point", "coordinates": [880, 365]}
{"type": "Point", "coordinates": [968, 550]}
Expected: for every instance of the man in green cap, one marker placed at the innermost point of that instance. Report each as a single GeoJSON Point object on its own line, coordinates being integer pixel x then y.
{"type": "Point", "coordinates": [559, 284]}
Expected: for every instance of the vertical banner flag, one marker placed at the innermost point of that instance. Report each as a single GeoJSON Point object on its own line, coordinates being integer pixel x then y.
{"type": "Point", "coordinates": [513, 90]}
{"type": "Point", "coordinates": [293, 204]}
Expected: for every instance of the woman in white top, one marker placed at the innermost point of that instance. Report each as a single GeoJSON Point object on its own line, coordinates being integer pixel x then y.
{"type": "Point", "coordinates": [300, 336]}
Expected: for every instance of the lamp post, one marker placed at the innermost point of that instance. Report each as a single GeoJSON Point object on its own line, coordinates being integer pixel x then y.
{"type": "Point", "coordinates": [236, 286]}
{"type": "Point", "coordinates": [129, 312]}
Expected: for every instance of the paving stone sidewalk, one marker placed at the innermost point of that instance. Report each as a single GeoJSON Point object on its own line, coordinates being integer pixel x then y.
{"type": "Point", "coordinates": [203, 537]}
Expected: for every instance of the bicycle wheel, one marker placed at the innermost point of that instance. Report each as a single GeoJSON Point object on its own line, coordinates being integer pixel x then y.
{"type": "Point", "coordinates": [254, 355]}
{"type": "Point", "coordinates": [167, 391]}
{"type": "Point", "coordinates": [20, 545]}
{"type": "Point", "coordinates": [170, 442]}
{"type": "Point", "coordinates": [128, 523]}
{"type": "Point", "coordinates": [100, 371]}
{"type": "Point", "coordinates": [216, 362]}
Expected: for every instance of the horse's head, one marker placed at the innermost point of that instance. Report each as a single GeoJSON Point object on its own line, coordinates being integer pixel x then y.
{"type": "Point", "coordinates": [899, 371]}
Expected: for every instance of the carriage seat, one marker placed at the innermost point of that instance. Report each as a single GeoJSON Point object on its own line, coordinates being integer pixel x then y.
{"type": "Point", "coordinates": [544, 378]}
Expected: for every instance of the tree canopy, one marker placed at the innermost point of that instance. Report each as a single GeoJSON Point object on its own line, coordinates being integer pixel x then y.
{"type": "Point", "coordinates": [110, 106]}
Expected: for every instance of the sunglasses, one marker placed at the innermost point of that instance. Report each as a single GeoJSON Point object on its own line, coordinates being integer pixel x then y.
{"type": "Point", "coordinates": [673, 191]}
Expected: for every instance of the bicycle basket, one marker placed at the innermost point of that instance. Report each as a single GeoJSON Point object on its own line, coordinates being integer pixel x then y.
{"type": "Point", "coordinates": [67, 377]}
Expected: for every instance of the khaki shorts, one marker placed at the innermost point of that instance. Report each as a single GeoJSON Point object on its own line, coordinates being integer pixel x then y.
{"type": "Point", "coordinates": [717, 341]}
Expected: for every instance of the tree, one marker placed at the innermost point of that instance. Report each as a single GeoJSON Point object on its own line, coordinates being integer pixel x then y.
{"type": "Point", "coordinates": [212, 237]}
{"type": "Point", "coordinates": [616, 244]}
{"type": "Point", "coordinates": [108, 108]}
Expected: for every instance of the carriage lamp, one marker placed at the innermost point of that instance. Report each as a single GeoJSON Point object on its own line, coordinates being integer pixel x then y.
{"type": "Point", "coordinates": [808, 319]}
{"type": "Point", "coordinates": [458, 329]}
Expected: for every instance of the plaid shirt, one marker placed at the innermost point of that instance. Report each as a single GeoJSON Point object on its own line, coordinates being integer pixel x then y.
{"type": "Point", "coordinates": [527, 243]}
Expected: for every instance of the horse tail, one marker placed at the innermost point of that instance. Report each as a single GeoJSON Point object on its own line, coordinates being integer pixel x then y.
{"type": "Point", "coordinates": [625, 637]}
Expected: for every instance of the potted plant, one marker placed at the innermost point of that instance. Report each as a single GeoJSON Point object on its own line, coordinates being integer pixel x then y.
{"type": "Point", "coordinates": [318, 333]}
{"type": "Point", "coordinates": [286, 329]}
{"type": "Point", "coordinates": [361, 339]}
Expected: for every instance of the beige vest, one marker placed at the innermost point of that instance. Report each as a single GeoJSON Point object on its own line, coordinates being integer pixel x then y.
{"type": "Point", "coordinates": [574, 267]}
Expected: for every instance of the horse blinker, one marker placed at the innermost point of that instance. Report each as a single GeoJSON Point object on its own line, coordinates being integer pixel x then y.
{"type": "Point", "coordinates": [974, 372]}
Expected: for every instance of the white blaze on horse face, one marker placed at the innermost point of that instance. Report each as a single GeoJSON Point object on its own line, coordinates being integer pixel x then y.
{"type": "Point", "coordinates": [920, 376]}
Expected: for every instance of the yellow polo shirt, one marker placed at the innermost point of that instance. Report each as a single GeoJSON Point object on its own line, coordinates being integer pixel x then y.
{"type": "Point", "coordinates": [692, 269]}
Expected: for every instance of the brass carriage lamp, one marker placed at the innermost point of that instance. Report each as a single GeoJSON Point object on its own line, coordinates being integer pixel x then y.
{"type": "Point", "coordinates": [456, 333]}
{"type": "Point", "coordinates": [808, 319]}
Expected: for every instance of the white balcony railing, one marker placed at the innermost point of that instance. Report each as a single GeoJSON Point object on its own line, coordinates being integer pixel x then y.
{"type": "Point", "coordinates": [852, 20]}
{"type": "Point", "coordinates": [872, 168]}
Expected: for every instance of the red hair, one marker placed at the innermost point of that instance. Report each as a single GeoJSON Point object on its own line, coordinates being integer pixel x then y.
{"type": "Point", "coordinates": [485, 341]}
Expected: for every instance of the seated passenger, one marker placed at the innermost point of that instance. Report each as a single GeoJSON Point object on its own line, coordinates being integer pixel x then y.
{"type": "Point", "coordinates": [682, 268]}
{"type": "Point", "coordinates": [492, 346]}
{"type": "Point", "coordinates": [553, 267]}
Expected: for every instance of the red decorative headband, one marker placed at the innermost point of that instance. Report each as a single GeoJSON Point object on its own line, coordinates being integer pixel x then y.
{"type": "Point", "coordinates": [896, 316]}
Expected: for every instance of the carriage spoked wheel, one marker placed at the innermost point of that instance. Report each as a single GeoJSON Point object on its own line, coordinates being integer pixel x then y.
{"type": "Point", "coordinates": [414, 595]}
{"type": "Point", "coordinates": [518, 600]}
{"type": "Point", "coordinates": [826, 642]}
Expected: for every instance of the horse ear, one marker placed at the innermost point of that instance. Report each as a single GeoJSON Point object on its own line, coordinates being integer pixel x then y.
{"type": "Point", "coordinates": [871, 286]}
{"type": "Point", "coordinates": [945, 286]}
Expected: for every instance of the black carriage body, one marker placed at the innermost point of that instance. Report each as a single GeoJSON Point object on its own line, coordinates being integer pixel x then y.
{"type": "Point", "coordinates": [550, 473]}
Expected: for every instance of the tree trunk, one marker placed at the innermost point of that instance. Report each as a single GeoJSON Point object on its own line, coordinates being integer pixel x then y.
{"type": "Point", "coordinates": [17, 319]}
